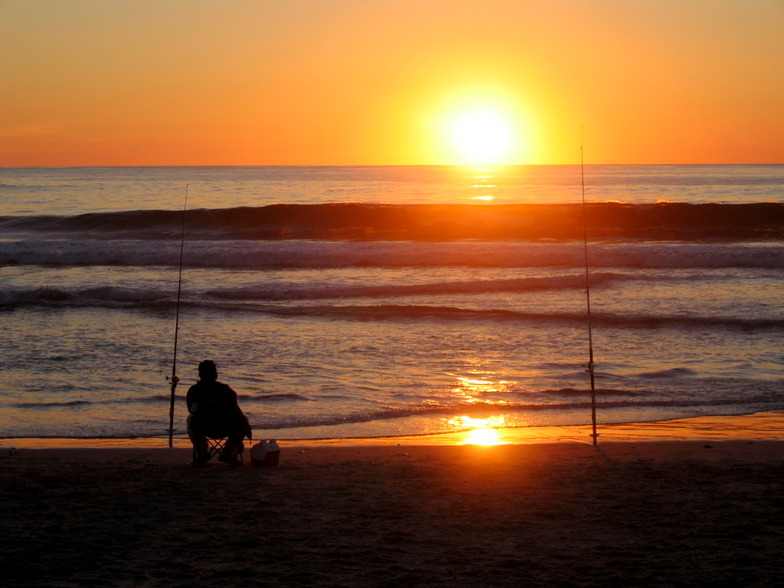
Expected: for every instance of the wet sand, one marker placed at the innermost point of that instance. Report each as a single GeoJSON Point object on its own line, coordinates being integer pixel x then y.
{"type": "Point", "coordinates": [399, 513]}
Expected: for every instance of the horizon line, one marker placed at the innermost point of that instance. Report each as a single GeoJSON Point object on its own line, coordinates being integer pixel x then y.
{"type": "Point", "coordinates": [346, 165]}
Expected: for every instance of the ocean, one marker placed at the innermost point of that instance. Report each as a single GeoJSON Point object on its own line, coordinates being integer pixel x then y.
{"type": "Point", "coordinates": [346, 302]}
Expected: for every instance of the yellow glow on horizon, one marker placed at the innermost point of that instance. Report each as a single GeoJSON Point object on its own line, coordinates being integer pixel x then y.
{"type": "Point", "coordinates": [385, 83]}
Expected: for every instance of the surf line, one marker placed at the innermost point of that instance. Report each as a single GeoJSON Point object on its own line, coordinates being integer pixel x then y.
{"type": "Point", "coordinates": [173, 379]}
{"type": "Point", "coordinates": [590, 366]}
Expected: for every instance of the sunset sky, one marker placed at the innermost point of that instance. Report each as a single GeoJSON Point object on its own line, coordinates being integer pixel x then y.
{"type": "Point", "coordinates": [363, 82]}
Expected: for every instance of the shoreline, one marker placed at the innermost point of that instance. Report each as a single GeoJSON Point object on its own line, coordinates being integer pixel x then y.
{"type": "Point", "coordinates": [680, 503]}
{"type": "Point", "coordinates": [757, 426]}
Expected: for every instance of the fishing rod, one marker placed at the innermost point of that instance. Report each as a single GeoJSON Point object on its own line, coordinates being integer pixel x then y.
{"type": "Point", "coordinates": [590, 367]}
{"type": "Point", "coordinates": [173, 379]}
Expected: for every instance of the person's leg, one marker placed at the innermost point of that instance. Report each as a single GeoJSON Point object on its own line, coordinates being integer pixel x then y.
{"type": "Point", "coordinates": [232, 450]}
{"type": "Point", "coordinates": [199, 440]}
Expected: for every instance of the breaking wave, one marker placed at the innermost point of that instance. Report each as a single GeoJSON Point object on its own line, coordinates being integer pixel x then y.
{"type": "Point", "coordinates": [423, 222]}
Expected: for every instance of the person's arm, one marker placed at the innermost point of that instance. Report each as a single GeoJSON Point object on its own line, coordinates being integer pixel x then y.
{"type": "Point", "coordinates": [231, 396]}
{"type": "Point", "coordinates": [190, 399]}
{"type": "Point", "coordinates": [242, 420]}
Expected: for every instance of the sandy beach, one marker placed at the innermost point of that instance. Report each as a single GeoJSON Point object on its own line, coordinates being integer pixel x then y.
{"type": "Point", "coordinates": [689, 512]}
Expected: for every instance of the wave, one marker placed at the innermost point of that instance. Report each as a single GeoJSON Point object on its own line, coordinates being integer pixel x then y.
{"type": "Point", "coordinates": [40, 405]}
{"type": "Point", "coordinates": [555, 406]}
{"type": "Point", "coordinates": [123, 296]}
{"type": "Point", "coordinates": [447, 313]}
{"type": "Point", "coordinates": [280, 397]}
{"type": "Point", "coordinates": [607, 398]}
{"type": "Point", "coordinates": [329, 291]}
{"type": "Point", "coordinates": [325, 254]}
{"type": "Point", "coordinates": [157, 301]}
{"type": "Point", "coordinates": [671, 373]}
{"type": "Point", "coordinates": [423, 222]}
{"type": "Point", "coordinates": [156, 399]}
{"type": "Point", "coordinates": [107, 296]}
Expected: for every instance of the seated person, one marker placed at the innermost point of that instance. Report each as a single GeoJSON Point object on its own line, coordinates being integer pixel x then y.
{"type": "Point", "coordinates": [214, 413]}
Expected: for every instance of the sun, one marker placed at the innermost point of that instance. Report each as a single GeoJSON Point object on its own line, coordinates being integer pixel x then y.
{"type": "Point", "coordinates": [482, 137]}
{"type": "Point", "coordinates": [479, 129]}
{"type": "Point", "coordinates": [476, 127]}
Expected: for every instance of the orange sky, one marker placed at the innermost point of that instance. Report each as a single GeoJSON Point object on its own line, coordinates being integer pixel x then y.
{"type": "Point", "coordinates": [348, 82]}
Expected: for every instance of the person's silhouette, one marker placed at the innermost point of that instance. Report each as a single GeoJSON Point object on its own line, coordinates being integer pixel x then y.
{"type": "Point", "coordinates": [214, 413]}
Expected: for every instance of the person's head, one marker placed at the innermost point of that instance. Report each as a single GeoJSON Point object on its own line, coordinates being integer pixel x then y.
{"type": "Point", "coordinates": [208, 372]}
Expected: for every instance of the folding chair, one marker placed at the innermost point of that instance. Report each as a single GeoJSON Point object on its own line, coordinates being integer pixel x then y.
{"type": "Point", "coordinates": [215, 445]}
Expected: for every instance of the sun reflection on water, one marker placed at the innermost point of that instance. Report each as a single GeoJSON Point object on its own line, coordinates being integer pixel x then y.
{"type": "Point", "coordinates": [483, 184]}
{"type": "Point", "coordinates": [478, 389]}
{"type": "Point", "coordinates": [479, 431]}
